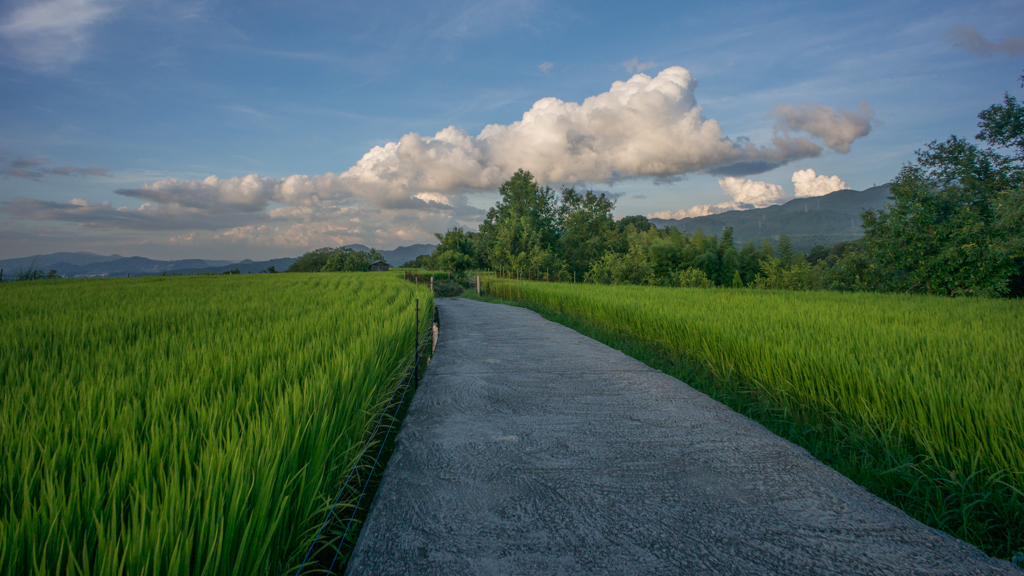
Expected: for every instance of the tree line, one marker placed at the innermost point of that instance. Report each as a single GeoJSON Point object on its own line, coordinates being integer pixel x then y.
{"type": "Point", "coordinates": [335, 260]}
{"type": "Point", "coordinates": [954, 225]}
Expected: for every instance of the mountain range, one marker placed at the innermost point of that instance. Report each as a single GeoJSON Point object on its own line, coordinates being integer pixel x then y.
{"type": "Point", "coordinates": [825, 220]}
{"type": "Point", "coordinates": [87, 264]}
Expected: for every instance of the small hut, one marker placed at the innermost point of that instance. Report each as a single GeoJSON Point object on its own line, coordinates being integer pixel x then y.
{"type": "Point", "coordinates": [379, 266]}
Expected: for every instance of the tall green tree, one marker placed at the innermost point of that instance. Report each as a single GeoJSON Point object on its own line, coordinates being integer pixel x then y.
{"type": "Point", "coordinates": [520, 232]}
{"type": "Point", "coordinates": [587, 229]}
{"type": "Point", "coordinates": [954, 224]}
{"type": "Point", "coordinates": [455, 251]}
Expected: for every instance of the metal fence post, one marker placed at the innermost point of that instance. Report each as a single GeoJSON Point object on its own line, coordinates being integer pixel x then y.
{"type": "Point", "coordinates": [416, 344]}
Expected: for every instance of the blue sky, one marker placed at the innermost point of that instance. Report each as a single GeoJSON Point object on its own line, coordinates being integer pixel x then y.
{"type": "Point", "coordinates": [115, 115]}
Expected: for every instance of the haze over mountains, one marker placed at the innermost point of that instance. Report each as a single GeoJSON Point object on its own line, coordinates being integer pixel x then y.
{"type": "Point", "coordinates": [87, 264]}
{"type": "Point", "coordinates": [825, 220]}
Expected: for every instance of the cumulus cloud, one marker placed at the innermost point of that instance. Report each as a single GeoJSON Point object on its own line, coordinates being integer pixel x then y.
{"type": "Point", "coordinates": [837, 128]}
{"type": "Point", "coordinates": [967, 37]}
{"type": "Point", "coordinates": [251, 193]}
{"type": "Point", "coordinates": [699, 210]}
{"type": "Point", "coordinates": [808, 184]}
{"type": "Point", "coordinates": [53, 34]}
{"type": "Point", "coordinates": [546, 67]}
{"type": "Point", "coordinates": [747, 194]}
{"type": "Point", "coordinates": [643, 127]}
{"type": "Point", "coordinates": [750, 192]}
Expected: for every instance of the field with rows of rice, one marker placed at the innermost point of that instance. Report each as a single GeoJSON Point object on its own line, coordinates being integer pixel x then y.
{"type": "Point", "coordinates": [925, 395]}
{"type": "Point", "coordinates": [188, 425]}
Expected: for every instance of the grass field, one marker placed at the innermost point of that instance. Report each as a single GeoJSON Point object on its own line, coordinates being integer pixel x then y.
{"type": "Point", "coordinates": [190, 425]}
{"type": "Point", "coordinates": [919, 399]}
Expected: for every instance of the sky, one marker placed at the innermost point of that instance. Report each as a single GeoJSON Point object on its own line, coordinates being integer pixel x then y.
{"type": "Point", "coordinates": [230, 130]}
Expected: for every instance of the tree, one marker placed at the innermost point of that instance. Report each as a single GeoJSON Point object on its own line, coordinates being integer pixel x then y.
{"type": "Point", "coordinates": [639, 223]}
{"type": "Point", "coordinates": [313, 261]}
{"type": "Point", "coordinates": [954, 224]}
{"type": "Point", "coordinates": [737, 282]}
{"type": "Point", "coordinates": [586, 227]}
{"type": "Point", "coordinates": [520, 231]}
{"type": "Point", "coordinates": [693, 278]}
{"type": "Point", "coordinates": [785, 251]}
{"type": "Point", "coordinates": [455, 251]}
{"type": "Point", "coordinates": [348, 260]}
{"type": "Point", "coordinates": [632, 267]}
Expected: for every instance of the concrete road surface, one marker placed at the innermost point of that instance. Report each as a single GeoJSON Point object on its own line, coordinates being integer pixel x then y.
{"type": "Point", "coordinates": [532, 449]}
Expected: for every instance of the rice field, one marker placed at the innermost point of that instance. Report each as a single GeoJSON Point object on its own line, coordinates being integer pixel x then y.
{"type": "Point", "coordinates": [940, 379]}
{"type": "Point", "coordinates": [188, 425]}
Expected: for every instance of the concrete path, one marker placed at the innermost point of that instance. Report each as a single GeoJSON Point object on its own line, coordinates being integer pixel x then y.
{"type": "Point", "coordinates": [531, 449]}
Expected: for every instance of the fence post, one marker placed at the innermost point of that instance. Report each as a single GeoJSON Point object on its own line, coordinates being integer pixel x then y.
{"type": "Point", "coordinates": [416, 344]}
{"type": "Point", "coordinates": [477, 282]}
{"type": "Point", "coordinates": [431, 283]}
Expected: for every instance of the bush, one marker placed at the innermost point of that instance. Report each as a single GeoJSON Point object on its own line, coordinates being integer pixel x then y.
{"type": "Point", "coordinates": [693, 278]}
{"type": "Point", "coordinates": [630, 268]}
{"type": "Point", "coordinates": [447, 289]}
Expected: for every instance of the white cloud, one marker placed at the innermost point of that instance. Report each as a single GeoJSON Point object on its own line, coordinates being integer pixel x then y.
{"type": "Point", "coordinates": [747, 194]}
{"type": "Point", "coordinates": [51, 35]}
{"type": "Point", "coordinates": [838, 129]}
{"type": "Point", "coordinates": [250, 193]}
{"type": "Point", "coordinates": [644, 127]}
{"type": "Point", "coordinates": [967, 37]}
{"type": "Point", "coordinates": [752, 193]}
{"type": "Point", "coordinates": [699, 210]}
{"type": "Point", "coordinates": [546, 67]}
{"type": "Point", "coordinates": [807, 184]}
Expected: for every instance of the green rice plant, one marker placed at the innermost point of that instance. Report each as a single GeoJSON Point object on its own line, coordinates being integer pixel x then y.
{"type": "Point", "coordinates": [188, 425]}
{"type": "Point", "coordinates": [918, 398]}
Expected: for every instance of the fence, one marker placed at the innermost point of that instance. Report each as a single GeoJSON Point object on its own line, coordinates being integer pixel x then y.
{"type": "Point", "coordinates": [327, 551]}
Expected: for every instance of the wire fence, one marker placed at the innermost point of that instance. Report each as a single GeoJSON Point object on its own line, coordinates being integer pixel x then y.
{"type": "Point", "coordinates": [365, 475]}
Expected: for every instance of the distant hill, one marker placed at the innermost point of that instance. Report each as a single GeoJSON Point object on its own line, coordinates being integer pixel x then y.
{"type": "Point", "coordinates": [399, 255]}
{"type": "Point", "coordinates": [824, 220]}
{"type": "Point", "coordinates": [244, 267]}
{"type": "Point", "coordinates": [403, 254]}
{"type": "Point", "coordinates": [89, 265]}
{"type": "Point", "coordinates": [84, 265]}
{"type": "Point", "coordinates": [46, 261]}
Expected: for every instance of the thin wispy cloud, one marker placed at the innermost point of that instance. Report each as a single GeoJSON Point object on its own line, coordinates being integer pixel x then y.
{"type": "Point", "coordinates": [22, 173]}
{"type": "Point", "coordinates": [34, 169]}
{"type": "Point", "coordinates": [75, 171]}
{"type": "Point", "coordinates": [966, 37]}
{"type": "Point", "coordinates": [52, 35]}
{"type": "Point", "coordinates": [478, 18]}
{"type": "Point", "coordinates": [546, 67]}
{"type": "Point", "coordinates": [635, 65]}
